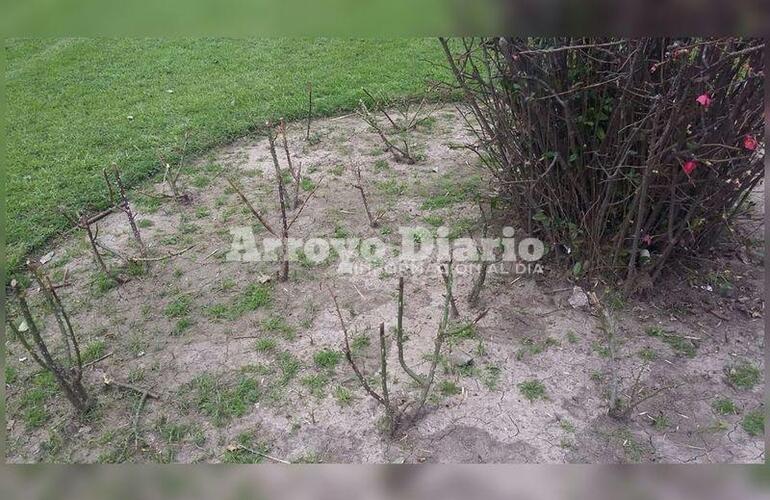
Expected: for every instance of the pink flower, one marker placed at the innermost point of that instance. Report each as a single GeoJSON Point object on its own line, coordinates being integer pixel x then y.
{"type": "Point", "coordinates": [689, 166]}
{"type": "Point", "coordinates": [647, 239]}
{"type": "Point", "coordinates": [749, 142]}
{"type": "Point", "coordinates": [704, 100]}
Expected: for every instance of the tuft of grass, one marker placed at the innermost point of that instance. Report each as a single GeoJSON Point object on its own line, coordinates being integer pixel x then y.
{"type": "Point", "coordinates": [103, 283]}
{"type": "Point", "coordinates": [94, 350]}
{"type": "Point", "coordinates": [572, 337]}
{"type": "Point", "coordinates": [306, 184]}
{"type": "Point", "coordinates": [265, 344]}
{"type": "Point", "coordinates": [316, 383]}
{"type": "Point", "coordinates": [340, 232]}
{"type": "Point", "coordinates": [289, 366]}
{"type": "Point", "coordinates": [172, 432]}
{"type": "Point", "coordinates": [178, 307]}
{"type": "Point", "coordinates": [327, 358]}
{"type": "Point", "coordinates": [743, 375]}
{"type": "Point", "coordinates": [660, 422]}
{"type": "Point", "coordinates": [254, 297]}
{"type": "Point", "coordinates": [275, 324]}
{"type": "Point", "coordinates": [754, 423]}
{"type": "Point", "coordinates": [218, 311]}
{"type": "Point", "coordinates": [221, 401]}
{"type": "Point", "coordinates": [567, 426]}
{"type": "Point", "coordinates": [467, 332]}
{"type": "Point", "coordinates": [427, 123]}
{"type": "Point", "coordinates": [452, 192]}
{"type": "Point", "coordinates": [532, 347]}
{"type": "Point", "coordinates": [434, 220]}
{"type": "Point", "coordinates": [343, 396]}
{"type": "Point", "coordinates": [601, 349]}
{"type": "Point", "coordinates": [448, 388]}
{"type": "Point", "coordinates": [532, 389]}
{"type": "Point", "coordinates": [648, 354]}
{"type": "Point", "coordinates": [392, 187]}
{"type": "Point", "coordinates": [360, 342]}
{"type": "Point", "coordinates": [381, 165]}
{"type": "Point", "coordinates": [725, 406]}
{"type": "Point", "coordinates": [491, 377]}
{"type": "Point", "coordinates": [33, 402]}
{"type": "Point", "coordinates": [680, 345]}
{"type": "Point", "coordinates": [245, 451]}
{"type": "Point", "coordinates": [632, 449]}
{"type": "Point", "coordinates": [182, 325]}
{"type": "Point", "coordinates": [11, 375]}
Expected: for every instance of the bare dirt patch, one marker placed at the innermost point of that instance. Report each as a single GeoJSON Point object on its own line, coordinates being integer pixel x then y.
{"type": "Point", "coordinates": [176, 330]}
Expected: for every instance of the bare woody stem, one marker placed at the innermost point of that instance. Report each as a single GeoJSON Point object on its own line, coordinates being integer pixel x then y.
{"type": "Point", "coordinates": [439, 342]}
{"type": "Point", "coordinates": [400, 334]}
{"type": "Point", "coordinates": [251, 208]}
{"type": "Point", "coordinates": [92, 240]}
{"type": "Point", "coordinates": [473, 297]}
{"type": "Point", "coordinates": [129, 213]}
{"type": "Point", "coordinates": [283, 275]}
{"type": "Point", "coordinates": [62, 319]}
{"type": "Point", "coordinates": [69, 378]}
{"type": "Point", "coordinates": [401, 155]}
{"type": "Point", "coordinates": [349, 353]}
{"type": "Point", "coordinates": [373, 221]}
{"type": "Point", "coordinates": [391, 413]}
{"type": "Point", "coordinates": [448, 284]}
{"type": "Point", "coordinates": [296, 175]}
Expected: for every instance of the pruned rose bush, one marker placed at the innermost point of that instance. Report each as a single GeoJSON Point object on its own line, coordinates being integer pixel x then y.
{"type": "Point", "coordinates": [629, 153]}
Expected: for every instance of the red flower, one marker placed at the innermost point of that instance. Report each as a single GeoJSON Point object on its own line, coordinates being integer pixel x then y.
{"type": "Point", "coordinates": [704, 100]}
{"type": "Point", "coordinates": [689, 166]}
{"type": "Point", "coordinates": [647, 239]}
{"type": "Point", "coordinates": [749, 142]}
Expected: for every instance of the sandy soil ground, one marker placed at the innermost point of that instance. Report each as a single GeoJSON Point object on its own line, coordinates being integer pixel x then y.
{"type": "Point", "coordinates": [285, 393]}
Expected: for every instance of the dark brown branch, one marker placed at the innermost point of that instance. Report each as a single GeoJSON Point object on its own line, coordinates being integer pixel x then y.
{"type": "Point", "coordinates": [349, 354]}
{"type": "Point", "coordinates": [400, 335]}
{"type": "Point", "coordinates": [251, 208]}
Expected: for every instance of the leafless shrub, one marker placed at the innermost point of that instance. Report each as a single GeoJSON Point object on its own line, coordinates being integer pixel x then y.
{"type": "Point", "coordinates": [90, 225]}
{"type": "Point", "coordinates": [478, 284]}
{"type": "Point", "coordinates": [125, 206]}
{"type": "Point", "coordinates": [401, 154]}
{"type": "Point", "coordinates": [374, 220]}
{"type": "Point", "coordinates": [409, 112]}
{"type": "Point", "coordinates": [612, 147]}
{"type": "Point", "coordinates": [171, 174]}
{"type": "Point", "coordinates": [296, 175]}
{"type": "Point", "coordinates": [286, 222]}
{"type": "Point", "coordinates": [400, 417]}
{"type": "Point", "coordinates": [68, 372]}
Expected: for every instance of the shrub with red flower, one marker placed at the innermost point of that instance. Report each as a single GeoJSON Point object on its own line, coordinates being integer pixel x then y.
{"type": "Point", "coordinates": [704, 100]}
{"type": "Point", "coordinates": [607, 139]}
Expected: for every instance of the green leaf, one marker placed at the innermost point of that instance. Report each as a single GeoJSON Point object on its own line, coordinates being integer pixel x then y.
{"type": "Point", "coordinates": [577, 269]}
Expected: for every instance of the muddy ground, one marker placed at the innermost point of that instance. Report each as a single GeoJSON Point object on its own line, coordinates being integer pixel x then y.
{"type": "Point", "coordinates": [528, 384]}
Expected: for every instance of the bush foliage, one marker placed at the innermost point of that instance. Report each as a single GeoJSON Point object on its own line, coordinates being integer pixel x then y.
{"type": "Point", "coordinates": [627, 152]}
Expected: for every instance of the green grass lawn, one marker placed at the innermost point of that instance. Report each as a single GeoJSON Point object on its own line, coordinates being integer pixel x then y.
{"type": "Point", "coordinates": [69, 101]}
